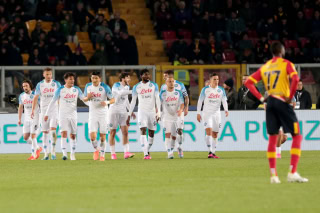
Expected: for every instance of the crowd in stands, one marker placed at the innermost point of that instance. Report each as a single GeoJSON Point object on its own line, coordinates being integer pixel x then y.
{"type": "Point", "coordinates": [110, 38]}
{"type": "Point", "coordinates": [237, 31]}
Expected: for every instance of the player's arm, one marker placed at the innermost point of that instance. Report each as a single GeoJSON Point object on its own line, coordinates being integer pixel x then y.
{"type": "Point", "coordinates": [200, 102]}
{"type": "Point", "coordinates": [186, 99]}
{"type": "Point", "coordinates": [132, 104]}
{"type": "Point", "coordinates": [250, 84]}
{"type": "Point", "coordinates": [181, 102]}
{"type": "Point", "coordinates": [20, 111]}
{"type": "Point", "coordinates": [109, 95]}
{"type": "Point", "coordinates": [225, 103]}
{"type": "Point", "coordinates": [291, 71]}
{"type": "Point", "coordinates": [158, 103]}
{"type": "Point", "coordinates": [52, 104]}
{"type": "Point", "coordinates": [87, 96]}
{"type": "Point", "coordinates": [35, 100]}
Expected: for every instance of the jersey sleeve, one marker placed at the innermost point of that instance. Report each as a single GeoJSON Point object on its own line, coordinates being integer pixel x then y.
{"type": "Point", "coordinates": [56, 96]}
{"type": "Point", "coordinates": [37, 92]}
{"type": "Point", "coordinates": [291, 70]}
{"type": "Point", "coordinates": [256, 77]}
{"type": "Point", "coordinates": [86, 90]}
{"type": "Point", "coordinates": [181, 99]}
{"type": "Point", "coordinates": [161, 95]}
{"type": "Point", "coordinates": [224, 100]}
{"type": "Point", "coordinates": [108, 91]}
{"type": "Point", "coordinates": [183, 90]}
{"type": "Point", "coordinates": [58, 84]}
{"type": "Point", "coordinates": [20, 99]}
{"type": "Point", "coordinates": [80, 94]}
{"type": "Point", "coordinates": [201, 99]}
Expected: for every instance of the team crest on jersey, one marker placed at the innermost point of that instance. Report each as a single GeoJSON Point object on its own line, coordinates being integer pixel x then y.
{"type": "Point", "coordinates": [31, 96]}
{"type": "Point", "coordinates": [219, 90]}
{"type": "Point", "coordinates": [100, 89]}
{"type": "Point", "coordinates": [176, 85]}
{"type": "Point", "coordinates": [111, 125]}
{"type": "Point", "coordinates": [53, 84]}
{"type": "Point", "coordinates": [176, 93]}
{"type": "Point", "coordinates": [150, 85]}
{"type": "Point", "coordinates": [74, 90]}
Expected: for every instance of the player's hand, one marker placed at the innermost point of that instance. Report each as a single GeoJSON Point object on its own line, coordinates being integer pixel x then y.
{"type": "Point", "coordinates": [288, 100]}
{"type": "Point", "coordinates": [19, 122]}
{"type": "Point", "coordinates": [158, 117]}
{"type": "Point", "coordinates": [46, 118]}
{"type": "Point", "coordinates": [179, 112]}
{"type": "Point", "coordinates": [128, 121]}
{"type": "Point", "coordinates": [133, 116]}
{"type": "Point", "coordinates": [186, 111]}
{"type": "Point", "coordinates": [199, 118]}
{"type": "Point", "coordinates": [227, 113]}
{"type": "Point", "coordinates": [103, 103]}
{"type": "Point", "coordinates": [32, 114]}
{"type": "Point", "coordinates": [89, 95]}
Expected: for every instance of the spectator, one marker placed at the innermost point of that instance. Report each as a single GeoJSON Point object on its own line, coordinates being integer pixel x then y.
{"type": "Point", "coordinates": [44, 12]}
{"type": "Point", "coordinates": [163, 19]}
{"type": "Point", "coordinates": [269, 28]}
{"type": "Point", "coordinates": [101, 31]}
{"type": "Point", "coordinates": [235, 26]}
{"type": "Point", "coordinates": [199, 18]}
{"type": "Point", "coordinates": [3, 25]}
{"type": "Point", "coordinates": [301, 26]}
{"type": "Point", "coordinates": [78, 58]}
{"type": "Point", "coordinates": [67, 28]}
{"type": "Point", "coordinates": [99, 57]}
{"type": "Point", "coordinates": [217, 25]}
{"type": "Point", "coordinates": [178, 49]}
{"type": "Point", "coordinates": [284, 29]}
{"type": "Point", "coordinates": [315, 25]}
{"type": "Point", "coordinates": [35, 35]}
{"type": "Point", "coordinates": [102, 4]}
{"type": "Point", "coordinates": [112, 50]}
{"type": "Point", "coordinates": [246, 100]}
{"type": "Point", "coordinates": [264, 11]}
{"type": "Point", "coordinates": [248, 14]}
{"type": "Point", "coordinates": [23, 41]}
{"type": "Point", "coordinates": [79, 14]}
{"type": "Point", "coordinates": [128, 49]}
{"type": "Point", "coordinates": [303, 97]}
{"type": "Point", "coordinates": [35, 59]}
{"type": "Point", "coordinates": [231, 93]}
{"type": "Point", "coordinates": [117, 24]}
{"type": "Point", "coordinates": [197, 52]}
{"type": "Point", "coordinates": [215, 53]}
{"type": "Point", "coordinates": [246, 57]}
{"type": "Point", "coordinates": [3, 12]}
{"type": "Point", "coordinates": [182, 16]}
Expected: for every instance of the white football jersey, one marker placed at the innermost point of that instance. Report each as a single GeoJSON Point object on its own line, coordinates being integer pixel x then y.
{"type": "Point", "coordinates": [26, 100]}
{"type": "Point", "coordinates": [212, 98]}
{"type": "Point", "coordinates": [178, 86]}
{"type": "Point", "coordinates": [120, 94]}
{"type": "Point", "coordinates": [46, 92]}
{"type": "Point", "coordinates": [148, 95]}
{"type": "Point", "coordinates": [100, 93]}
{"type": "Point", "coordinates": [67, 101]}
{"type": "Point", "coordinates": [171, 102]}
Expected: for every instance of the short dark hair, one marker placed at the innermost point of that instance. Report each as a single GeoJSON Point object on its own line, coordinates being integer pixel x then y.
{"type": "Point", "coordinates": [169, 72]}
{"type": "Point", "coordinates": [69, 74]}
{"type": "Point", "coordinates": [95, 73]}
{"type": "Point", "coordinates": [276, 48]}
{"type": "Point", "coordinates": [213, 74]}
{"type": "Point", "coordinates": [47, 69]}
{"type": "Point", "coordinates": [143, 72]}
{"type": "Point", "coordinates": [28, 82]}
{"type": "Point", "coordinates": [123, 75]}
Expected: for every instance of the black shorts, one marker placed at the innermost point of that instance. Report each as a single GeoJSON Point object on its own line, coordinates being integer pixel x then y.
{"type": "Point", "coordinates": [279, 113]}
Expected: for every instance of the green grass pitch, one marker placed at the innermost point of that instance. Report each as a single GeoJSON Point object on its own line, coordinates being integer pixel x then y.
{"type": "Point", "coordinates": [238, 182]}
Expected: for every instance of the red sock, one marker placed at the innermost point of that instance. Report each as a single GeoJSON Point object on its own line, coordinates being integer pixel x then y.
{"type": "Point", "coordinates": [271, 154]}
{"type": "Point", "coordinates": [295, 152]}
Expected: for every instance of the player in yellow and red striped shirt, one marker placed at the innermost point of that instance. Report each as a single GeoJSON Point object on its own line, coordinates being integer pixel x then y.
{"type": "Point", "coordinates": [279, 112]}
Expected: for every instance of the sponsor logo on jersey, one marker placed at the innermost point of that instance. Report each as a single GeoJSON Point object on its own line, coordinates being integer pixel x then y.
{"type": "Point", "coordinates": [97, 95]}
{"type": "Point", "coordinates": [47, 90]}
{"type": "Point", "coordinates": [67, 96]}
{"type": "Point", "coordinates": [171, 99]}
{"type": "Point", "coordinates": [144, 91]}
{"type": "Point", "coordinates": [212, 95]}
{"type": "Point", "coordinates": [26, 101]}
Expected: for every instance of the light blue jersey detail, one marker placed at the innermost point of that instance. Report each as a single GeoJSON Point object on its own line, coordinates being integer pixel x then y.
{"type": "Point", "coordinates": [108, 90]}
{"type": "Point", "coordinates": [38, 88]}
{"type": "Point", "coordinates": [80, 94]}
{"type": "Point", "coordinates": [57, 94]}
{"type": "Point", "coordinates": [86, 89]}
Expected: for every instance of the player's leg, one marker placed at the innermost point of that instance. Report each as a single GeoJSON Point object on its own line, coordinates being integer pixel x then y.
{"type": "Point", "coordinates": [73, 140]}
{"type": "Point", "coordinates": [45, 137]}
{"type": "Point", "coordinates": [142, 121]}
{"type": "Point", "coordinates": [34, 129]}
{"type": "Point", "coordinates": [64, 136]}
{"type": "Point", "coordinates": [112, 143]}
{"type": "Point", "coordinates": [290, 124]}
{"type": "Point", "coordinates": [168, 144]}
{"type": "Point", "coordinates": [216, 125]}
{"type": "Point", "coordinates": [278, 148]}
{"type": "Point", "coordinates": [125, 142]}
{"type": "Point", "coordinates": [103, 146]}
{"type": "Point", "coordinates": [93, 129]}
{"type": "Point", "coordinates": [180, 125]}
{"type": "Point", "coordinates": [27, 138]}
{"type": "Point", "coordinates": [35, 146]}
{"type": "Point", "coordinates": [53, 136]}
{"type": "Point", "coordinates": [151, 125]}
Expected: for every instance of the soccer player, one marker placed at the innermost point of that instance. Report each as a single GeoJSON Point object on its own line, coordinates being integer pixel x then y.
{"type": "Point", "coordinates": [118, 113]}
{"type": "Point", "coordinates": [274, 74]}
{"type": "Point", "coordinates": [97, 93]}
{"type": "Point", "coordinates": [178, 86]}
{"type": "Point", "coordinates": [212, 96]}
{"type": "Point", "coordinates": [147, 93]}
{"type": "Point", "coordinates": [172, 107]}
{"type": "Point", "coordinates": [30, 125]}
{"type": "Point", "coordinates": [45, 90]}
{"type": "Point", "coordinates": [67, 96]}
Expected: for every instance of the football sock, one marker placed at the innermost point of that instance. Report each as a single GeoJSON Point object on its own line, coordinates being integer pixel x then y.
{"type": "Point", "coordinates": [214, 144]}
{"type": "Point", "coordinates": [180, 139]}
{"type": "Point", "coordinates": [271, 154]}
{"type": "Point", "coordinates": [45, 140]}
{"type": "Point", "coordinates": [103, 146]}
{"type": "Point", "coordinates": [172, 144]}
{"type": "Point", "coordinates": [29, 140]}
{"type": "Point", "coordinates": [34, 146]}
{"type": "Point", "coordinates": [209, 142]}
{"type": "Point", "coordinates": [150, 140]}
{"type": "Point", "coordinates": [295, 152]}
{"type": "Point", "coordinates": [144, 141]}
{"type": "Point", "coordinates": [64, 146]}
{"type": "Point", "coordinates": [53, 137]}
{"type": "Point", "coordinates": [73, 145]}
{"type": "Point", "coordinates": [278, 150]}
{"type": "Point", "coordinates": [113, 149]}
{"type": "Point", "coordinates": [95, 144]}
{"type": "Point", "coordinates": [126, 147]}
{"type": "Point", "coordinates": [167, 143]}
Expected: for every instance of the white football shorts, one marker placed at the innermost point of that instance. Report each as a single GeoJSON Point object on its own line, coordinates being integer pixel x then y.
{"type": "Point", "coordinates": [212, 121]}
